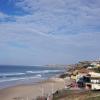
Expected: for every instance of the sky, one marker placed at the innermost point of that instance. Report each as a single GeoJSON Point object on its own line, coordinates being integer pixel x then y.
{"type": "Point", "coordinates": [39, 32]}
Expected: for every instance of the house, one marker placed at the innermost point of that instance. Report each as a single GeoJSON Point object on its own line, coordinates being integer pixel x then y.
{"type": "Point", "coordinates": [94, 74]}
{"type": "Point", "coordinates": [95, 83]}
{"type": "Point", "coordinates": [87, 79]}
{"type": "Point", "coordinates": [90, 81]}
{"type": "Point", "coordinates": [84, 82]}
{"type": "Point", "coordinates": [81, 73]}
{"type": "Point", "coordinates": [96, 64]}
{"type": "Point", "coordinates": [81, 77]}
{"type": "Point", "coordinates": [77, 74]}
{"type": "Point", "coordinates": [95, 80]}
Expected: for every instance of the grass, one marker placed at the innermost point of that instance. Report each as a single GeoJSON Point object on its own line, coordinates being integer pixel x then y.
{"type": "Point", "coordinates": [94, 98]}
{"type": "Point", "coordinates": [77, 95]}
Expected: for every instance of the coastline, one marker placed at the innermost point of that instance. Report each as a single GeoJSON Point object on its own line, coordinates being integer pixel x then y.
{"type": "Point", "coordinates": [34, 89]}
{"type": "Point", "coordinates": [31, 91]}
{"type": "Point", "coordinates": [26, 75]}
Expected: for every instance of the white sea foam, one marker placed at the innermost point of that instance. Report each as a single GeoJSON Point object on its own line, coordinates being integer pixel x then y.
{"type": "Point", "coordinates": [6, 77]}
{"type": "Point", "coordinates": [23, 78]}
{"type": "Point", "coordinates": [11, 74]}
{"type": "Point", "coordinates": [44, 71]}
{"type": "Point", "coordinates": [27, 72]}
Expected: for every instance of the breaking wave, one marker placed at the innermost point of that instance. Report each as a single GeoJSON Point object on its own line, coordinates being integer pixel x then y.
{"type": "Point", "coordinates": [6, 77]}
{"type": "Point", "coordinates": [20, 78]}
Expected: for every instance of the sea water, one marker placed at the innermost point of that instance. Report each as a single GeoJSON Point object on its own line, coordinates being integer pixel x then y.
{"type": "Point", "coordinates": [16, 75]}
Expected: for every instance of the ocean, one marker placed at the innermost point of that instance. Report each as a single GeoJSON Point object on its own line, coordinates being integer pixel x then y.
{"type": "Point", "coordinates": [17, 75]}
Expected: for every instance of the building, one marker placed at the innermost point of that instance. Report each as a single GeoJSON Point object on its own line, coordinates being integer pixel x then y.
{"type": "Point", "coordinates": [96, 63]}
{"type": "Point", "coordinates": [81, 73]}
{"type": "Point", "coordinates": [90, 81]}
{"type": "Point", "coordinates": [95, 81]}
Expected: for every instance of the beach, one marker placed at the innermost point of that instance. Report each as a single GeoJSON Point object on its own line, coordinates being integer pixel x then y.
{"type": "Point", "coordinates": [30, 92]}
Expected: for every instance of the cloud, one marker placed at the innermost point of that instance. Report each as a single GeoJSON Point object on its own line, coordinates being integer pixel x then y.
{"type": "Point", "coordinates": [2, 15]}
{"type": "Point", "coordinates": [36, 48]}
{"type": "Point", "coordinates": [69, 16]}
{"type": "Point", "coordinates": [61, 16]}
{"type": "Point", "coordinates": [51, 31]}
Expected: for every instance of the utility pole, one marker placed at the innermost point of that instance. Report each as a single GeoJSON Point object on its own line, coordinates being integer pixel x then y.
{"type": "Point", "coordinates": [52, 88]}
{"type": "Point", "coordinates": [64, 84]}
{"type": "Point", "coordinates": [42, 91]}
{"type": "Point", "coordinates": [27, 97]}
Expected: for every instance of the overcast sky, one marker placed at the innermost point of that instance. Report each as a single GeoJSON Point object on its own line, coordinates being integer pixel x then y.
{"type": "Point", "coordinates": [38, 32]}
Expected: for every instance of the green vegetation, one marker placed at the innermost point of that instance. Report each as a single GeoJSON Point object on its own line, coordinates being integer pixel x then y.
{"type": "Point", "coordinates": [63, 75]}
{"type": "Point", "coordinates": [76, 95]}
{"type": "Point", "coordinates": [97, 69]}
{"type": "Point", "coordinates": [94, 98]}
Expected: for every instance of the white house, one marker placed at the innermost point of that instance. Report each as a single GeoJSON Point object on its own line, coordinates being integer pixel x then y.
{"type": "Point", "coordinates": [96, 63]}
{"type": "Point", "coordinates": [95, 80]}
{"type": "Point", "coordinates": [94, 74]}
{"type": "Point", "coordinates": [95, 83]}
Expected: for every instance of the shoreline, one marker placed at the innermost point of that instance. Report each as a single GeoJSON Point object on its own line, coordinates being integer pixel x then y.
{"type": "Point", "coordinates": [34, 89]}
{"type": "Point", "coordinates": [29, 82]}
{"type": "Point", "coordinates": [31, 91]}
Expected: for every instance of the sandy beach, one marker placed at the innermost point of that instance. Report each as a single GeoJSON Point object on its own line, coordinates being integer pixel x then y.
{"type": "Point", "coordinates": [31, 91]}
